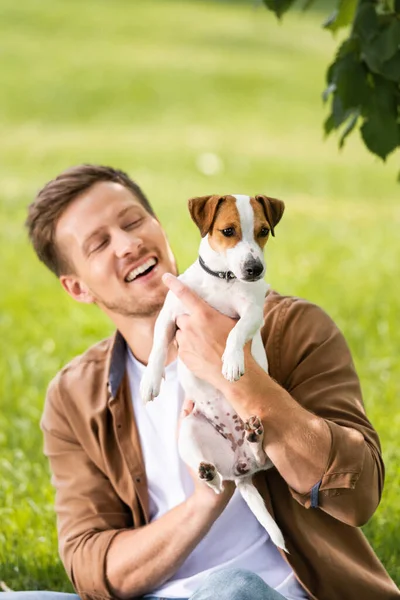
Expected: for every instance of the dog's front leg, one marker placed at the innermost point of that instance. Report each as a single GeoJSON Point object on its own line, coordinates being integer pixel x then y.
{"type": "Point", "coordinates": [164, 333]}
{"type": "Point", "coordinates": [251, 317]}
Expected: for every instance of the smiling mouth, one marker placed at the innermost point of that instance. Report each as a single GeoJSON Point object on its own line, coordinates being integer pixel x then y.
{"type": "Point", "coordinates": [141, 270]}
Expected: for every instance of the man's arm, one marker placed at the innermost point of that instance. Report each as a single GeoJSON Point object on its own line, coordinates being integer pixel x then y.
{"type": "Point", "coordinates": [297, 441]}
{"type": "Point", "coordinates": [103, 555]}
{"type": "Point", "coordinates": [140, 560]}
{"type": "Point", "coordinates": [316, 430]}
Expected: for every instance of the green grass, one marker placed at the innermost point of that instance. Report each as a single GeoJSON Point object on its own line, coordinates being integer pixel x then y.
{"type": "Point", "coordinates": [151, 87]}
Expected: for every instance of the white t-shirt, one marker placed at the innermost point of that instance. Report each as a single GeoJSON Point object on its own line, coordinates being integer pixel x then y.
{"type": "Point", "coordinates": [236, 539]}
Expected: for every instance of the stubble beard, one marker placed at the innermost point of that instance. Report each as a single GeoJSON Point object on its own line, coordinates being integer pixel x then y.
{"type": "Point", "coordinates": [134, 309]}
{"type": "Point", "coordinates": [128, 307]}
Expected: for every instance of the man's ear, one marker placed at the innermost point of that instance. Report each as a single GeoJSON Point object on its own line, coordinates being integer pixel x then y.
{"type": "Point", "coordinates": [203, 209]}
{"type": "Point", "coordinates": [76, 289]}
{"type": "Point", "coordinates": [273, 209]}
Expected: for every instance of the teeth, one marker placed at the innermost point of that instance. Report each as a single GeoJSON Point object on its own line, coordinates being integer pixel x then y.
{"type": "Point", "coordinates": [141, 269]}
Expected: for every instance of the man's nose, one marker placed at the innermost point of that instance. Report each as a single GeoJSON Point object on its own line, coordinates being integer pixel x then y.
{"type": "Point", "coordinates": [126, 242]}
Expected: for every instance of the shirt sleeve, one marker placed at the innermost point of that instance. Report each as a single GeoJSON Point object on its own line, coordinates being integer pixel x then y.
{"type": "Point", "coordinates": [315, 366]}
{"type": "Point", "coordinates": [89, 512]}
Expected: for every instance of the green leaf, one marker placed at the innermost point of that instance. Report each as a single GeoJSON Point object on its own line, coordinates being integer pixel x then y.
{"type": "Point", "coordinates": [388, 41]}
{"type": "Point", "coordinates": [380, 134]}
{"type": "Point", "coordinates": [279, 7]}
{"type": "Point", "coordinates": [350, 77]}
{"type": "Point", "coordinates": [351, 123]}
{"type": "Point", "coordinates": [331, 72]}
{"type": "Point", "coordinates": [366, 23]}
{"type": "Point", "coordinates": [342, 16]}
{"type": "Point", "coordinates": [383, 47]}
{"type": "Point", "coordinates": [329, 124]}
{"type": "Point", "coordinates": [391, 68]}
{"type": "Point", "coordinates": [349, 46]}
{"type": "Point", "coordinates": [383, 97]}
{"type": "Point", "coordinates": [340, 114]}
{"type": "Point", "coordinates": [372, 59]}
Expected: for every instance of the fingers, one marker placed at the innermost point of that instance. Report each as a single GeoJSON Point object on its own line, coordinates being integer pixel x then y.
{"type": "Point", "coordinates": [182, 321]}
{"type": "Point", "coordinates": [187, 407]}
{"type": "Point", "coordinates": [191, 301]}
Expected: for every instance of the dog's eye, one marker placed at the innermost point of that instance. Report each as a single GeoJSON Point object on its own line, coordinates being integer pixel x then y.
{"type": "Point", "coordinates": [264, 232]}
{"type": "Point", "coordinates": [228, 232]}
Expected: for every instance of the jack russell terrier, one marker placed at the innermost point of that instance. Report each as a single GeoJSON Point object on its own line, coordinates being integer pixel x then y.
{"type": "Point", "coordinates": [228, 274]}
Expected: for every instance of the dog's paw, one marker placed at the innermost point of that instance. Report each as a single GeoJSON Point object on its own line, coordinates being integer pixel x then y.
{"type": "Point", "coordinates": [149, 387]}
{"type": "Point", "coordinates": [209, 474]}
{"type": "Point", "coordinates": [207, 471]}
{"type": "Point", "coordinates": [233, 365]}
{"type": "Point", "coordinates": [254, 429]}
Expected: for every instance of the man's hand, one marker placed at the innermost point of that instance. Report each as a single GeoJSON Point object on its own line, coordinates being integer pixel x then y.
{"type": "Point", "coordinates": [203, 496]}
{"type": "Point", "coordinates": [201, 335]}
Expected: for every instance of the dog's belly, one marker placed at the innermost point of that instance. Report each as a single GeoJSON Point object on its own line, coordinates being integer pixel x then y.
{"type": "Point", "coordinates": [232, 454]}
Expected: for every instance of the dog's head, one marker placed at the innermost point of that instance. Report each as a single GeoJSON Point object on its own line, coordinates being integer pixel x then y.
{"type": "Point", "coordinates": [238, 227]}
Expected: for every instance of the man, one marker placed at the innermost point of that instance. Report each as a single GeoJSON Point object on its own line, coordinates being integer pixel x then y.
{"type": "Point", "coordinates": [132, 520]}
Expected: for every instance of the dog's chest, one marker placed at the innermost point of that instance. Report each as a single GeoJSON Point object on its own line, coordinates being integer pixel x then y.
{"type": "Point", "coordinates": [221, 297]}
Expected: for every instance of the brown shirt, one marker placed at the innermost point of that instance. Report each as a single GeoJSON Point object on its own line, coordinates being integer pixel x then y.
{"type": "Point", "coordinates": [93, 446]}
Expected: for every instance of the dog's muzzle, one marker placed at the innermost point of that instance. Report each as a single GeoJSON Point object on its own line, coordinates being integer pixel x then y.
{"type": "Point", "coordinates": [252, 270]}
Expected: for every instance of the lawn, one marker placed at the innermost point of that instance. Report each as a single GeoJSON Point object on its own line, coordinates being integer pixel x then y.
{"type": "Point", "coordinates": [190, 98]}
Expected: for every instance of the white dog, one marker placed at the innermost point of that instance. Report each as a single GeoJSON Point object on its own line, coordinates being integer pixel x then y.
{"type": "Point", "coordinates": [213, 440]}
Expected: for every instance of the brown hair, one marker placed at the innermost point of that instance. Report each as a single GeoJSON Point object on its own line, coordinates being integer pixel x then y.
{"type": "Point", "coordinates": [56, 196]}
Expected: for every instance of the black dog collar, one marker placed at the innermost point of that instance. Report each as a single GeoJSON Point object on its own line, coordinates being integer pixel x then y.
{"type": "Point", "coordinates": [227, 275]}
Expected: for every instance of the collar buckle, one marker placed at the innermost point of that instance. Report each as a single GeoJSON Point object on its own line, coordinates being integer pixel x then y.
{"type": "Point", "coordinates": [227, 275]}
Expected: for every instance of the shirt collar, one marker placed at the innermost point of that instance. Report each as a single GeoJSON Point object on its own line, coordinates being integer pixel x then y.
{"type": "Point", "coordinates": [117, 363]}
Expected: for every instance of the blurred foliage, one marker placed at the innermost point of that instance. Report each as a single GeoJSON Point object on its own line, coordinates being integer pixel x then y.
{"type": "Point", "coordinates": [364, 79]}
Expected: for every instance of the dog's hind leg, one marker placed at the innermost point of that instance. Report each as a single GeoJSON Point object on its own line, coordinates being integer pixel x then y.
{"type": "Point", "coordinates": [255, 436]}
{"type": "Point", "coordinates": [209, 474]}
{"type": "Point", "coordinates": [205, 451]}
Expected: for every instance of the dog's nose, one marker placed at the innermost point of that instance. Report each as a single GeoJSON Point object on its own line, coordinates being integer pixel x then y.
{"type": "Point", "coordinates": [255, 270]}
{"type": "Point", "coordinates": [252, 270]}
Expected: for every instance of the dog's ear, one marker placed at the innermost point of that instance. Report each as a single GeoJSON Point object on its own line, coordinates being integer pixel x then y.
{"type": "Point", "coordinates": [203, 209]}
{"type": "Point", "coordinates": [273, 209]}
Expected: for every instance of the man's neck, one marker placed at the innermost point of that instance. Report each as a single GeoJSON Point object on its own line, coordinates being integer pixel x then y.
{"type": "Point", "coordinates": [138, 333]}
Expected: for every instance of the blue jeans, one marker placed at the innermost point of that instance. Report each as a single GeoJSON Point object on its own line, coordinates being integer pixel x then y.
{"type": "Point", "coordinates": [226, 584]}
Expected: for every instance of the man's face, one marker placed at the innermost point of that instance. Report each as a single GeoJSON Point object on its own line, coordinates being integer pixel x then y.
{"type": "Point", "coordinates": [119, 252]}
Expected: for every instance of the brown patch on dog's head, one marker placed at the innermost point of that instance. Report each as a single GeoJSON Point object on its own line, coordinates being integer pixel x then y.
{"type": "Point", "coordinates": [272, 208]}
{"type": "Point", "coordinates": [203, 210]}
{"type": "Point", "coordinates": [219, 217]}
{"type": "Point", "coordinates": [226, 230]}
{"type": "Point", "coordinates": [262, 226]}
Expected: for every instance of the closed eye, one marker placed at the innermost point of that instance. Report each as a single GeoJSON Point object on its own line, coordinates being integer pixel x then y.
{"type": "Point", "coordinates": [102, 244]}
{"type": "Point", "coordinates": [132, 224]}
